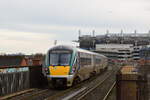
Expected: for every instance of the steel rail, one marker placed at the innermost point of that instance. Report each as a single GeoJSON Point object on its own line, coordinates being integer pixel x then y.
{"type": "Point", "coordinates": [58, 94]}
{"type": "Point", "coordinates": [16, 94]}
{"type": "Point", "coordinates": [76, 87]}
{"type": "Point", "coordinates": [34, 94]}
{"type": "Point", "coordinates": [109, 91]}
{"type": "Point", "coordinates": [91, 89]}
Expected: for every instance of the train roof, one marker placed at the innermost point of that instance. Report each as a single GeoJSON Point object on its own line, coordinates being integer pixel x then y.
{"type": "Point", "coordinates": [75, 48]}
{"type": "Point", "coordinates": [89, 52]}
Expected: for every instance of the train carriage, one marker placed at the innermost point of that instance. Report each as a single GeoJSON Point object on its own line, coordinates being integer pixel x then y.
{"type": "Point", "coordinates": [67, 65]}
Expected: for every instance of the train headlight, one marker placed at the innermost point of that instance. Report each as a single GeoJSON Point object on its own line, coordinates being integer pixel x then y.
{"type": "Point", "coordinates": [73, 70]}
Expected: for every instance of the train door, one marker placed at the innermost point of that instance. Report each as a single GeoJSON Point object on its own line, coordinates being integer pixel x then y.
{"type": "Point", "coordinates": [79, 67]}
{"type": "Point", "coordinates": [78, 62]}
{"type": "Point", "coordinates": [91, 64]}
{"type": "Point", "coordinates": [82, 63]}
{"type": "Point", "coordinates": [94, 64]}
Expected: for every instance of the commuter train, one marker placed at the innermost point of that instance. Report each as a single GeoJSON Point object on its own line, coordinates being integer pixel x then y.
{"type": "Point", "coordinates": [67, 65]}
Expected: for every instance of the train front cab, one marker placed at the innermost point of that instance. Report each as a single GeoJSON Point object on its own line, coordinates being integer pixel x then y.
{"type": "Point", "coordinates": [59, 70]}
{"type": "Point", "coordinates": [59, 75]}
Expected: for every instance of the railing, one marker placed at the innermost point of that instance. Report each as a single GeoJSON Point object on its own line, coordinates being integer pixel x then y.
{"type": "Point", "coordinates": [17, 78]}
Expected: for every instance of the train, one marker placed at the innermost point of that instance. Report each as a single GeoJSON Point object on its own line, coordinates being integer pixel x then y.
{"type": "Point", "coordinates": [67, 65]}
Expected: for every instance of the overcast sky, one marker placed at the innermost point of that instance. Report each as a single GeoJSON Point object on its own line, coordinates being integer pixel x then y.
{"type": "Point", "coordinates": [31, 26]}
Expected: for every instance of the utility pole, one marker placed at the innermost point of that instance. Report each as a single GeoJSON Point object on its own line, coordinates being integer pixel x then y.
{"type": "Point", "coordinates": [55, 42]}
{"type": "Point", "coordinates": [122, 37]}
{"type": "Point", "coordinates": [93, 32]}
{"type": "Point", "coordinates": [107, 32]}
{"type": "Point", "coordinates": [79, 33]}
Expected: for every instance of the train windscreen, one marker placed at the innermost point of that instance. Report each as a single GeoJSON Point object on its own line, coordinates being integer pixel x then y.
{"type": "Point", "coordinates": [60, 58]}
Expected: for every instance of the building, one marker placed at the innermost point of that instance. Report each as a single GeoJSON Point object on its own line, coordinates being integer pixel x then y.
{"type": "Point", "coordinates": [89, 42]}
{"type": "Point", "coordinates": [33, 61]}
{"type": "Point", "coordinates": [120, 46]}
{"type": "Point", "coordinates": [13, 61]}
{"type": "Point", "coordinates": [136, 52]}
{"type": "Point", "coordinates": [115, 51]}
{"type": "Point", "coordinates": [8, 60]}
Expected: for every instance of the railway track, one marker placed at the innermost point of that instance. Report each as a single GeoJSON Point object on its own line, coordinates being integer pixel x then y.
{"type": "Point", "coordinates": [33, 95]}
{"type": "Point", "coordinates": [16, 94]}
{"type": "Point", "coordinates": [62, 94]}
{"type": "Point", "coordinates": [90, 93]}
{"type": "Point", "coordinates": [109, 92]}
{"type": "Point", "coordinates": [80, 92]}
{"type": "Point", "coordinates": [84, 89]}
{"type": "Point", "coordinates": [89, 90]}
{"type": "Point", "coordinates": [40, 94]}
{"type": "Point", "coordinates": [28, 95]}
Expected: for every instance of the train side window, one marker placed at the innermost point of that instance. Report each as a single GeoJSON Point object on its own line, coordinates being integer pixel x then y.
{"type": "Point", "coordinates": [82, 61]}
{"type": "Point", "coordinates": [85, 61]}
{"type": "Point", "coordinates": [98, 61]}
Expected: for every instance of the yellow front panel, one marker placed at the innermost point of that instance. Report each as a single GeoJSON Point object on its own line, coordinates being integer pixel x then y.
{"type": "Point", "coordinates": [59, 70]}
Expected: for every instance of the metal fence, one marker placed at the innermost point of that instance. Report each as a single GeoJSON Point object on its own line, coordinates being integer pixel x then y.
{"type": "Point", "coordinates": [12, 82]}
{"type": "Point", "coordinates": [13, 79]}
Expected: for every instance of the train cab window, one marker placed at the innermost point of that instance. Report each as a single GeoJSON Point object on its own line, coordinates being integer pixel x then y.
{"type": "Point", "coordinates": [60, 58]}
{"type": "Point", "coordinates": [98, 61]}
{"type": "Point", "coordinates": [54, 59]}
{"type": "Point", "coordinates": [65, 59]}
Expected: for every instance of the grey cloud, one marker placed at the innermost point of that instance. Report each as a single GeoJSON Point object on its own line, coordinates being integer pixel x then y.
{"type": "Point", "coordinates": [21, 14]}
